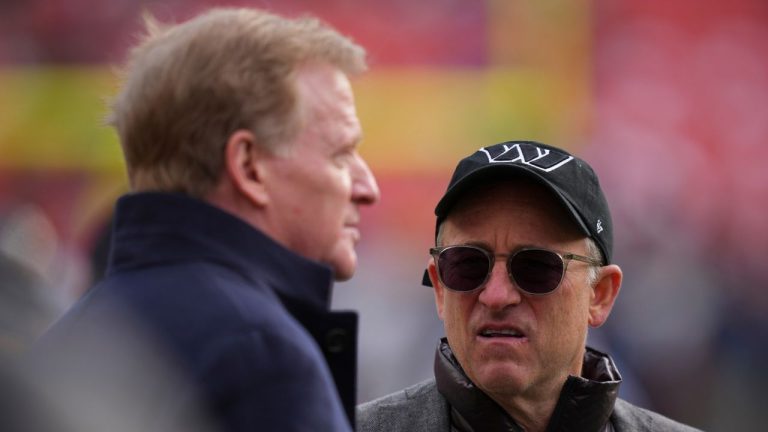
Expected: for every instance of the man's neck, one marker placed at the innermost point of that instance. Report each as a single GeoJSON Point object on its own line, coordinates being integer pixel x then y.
{"type": "Point", "coordinates": [580, 402]}
{"type": "Point", "coordinates": [532, 411]}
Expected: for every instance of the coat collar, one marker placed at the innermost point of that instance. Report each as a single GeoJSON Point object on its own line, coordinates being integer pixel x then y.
{"type": "Point", "coordinates": [153, 228]}
{"type": "Point", "coordinates": [585, 403]}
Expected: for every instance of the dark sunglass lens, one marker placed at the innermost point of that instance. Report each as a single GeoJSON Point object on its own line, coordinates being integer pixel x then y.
{"type": "Point", "coordinates": [536, 271]}
{"type": "Point", "coordinates": [463, 268]}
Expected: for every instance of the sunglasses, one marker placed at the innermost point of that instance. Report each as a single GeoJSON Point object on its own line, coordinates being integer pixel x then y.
{"type": "Point", "coordinates": [535, 271]}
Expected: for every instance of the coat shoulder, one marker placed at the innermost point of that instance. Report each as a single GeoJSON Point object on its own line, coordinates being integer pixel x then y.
{"type": "Point", "coordinates": [416, 408]}
{"type": "Point", "coordinates": [628, 417]}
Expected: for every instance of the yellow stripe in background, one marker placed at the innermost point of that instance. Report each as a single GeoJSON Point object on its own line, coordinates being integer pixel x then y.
{"type": "Point", "coordinates": [414, 120]}
{"type": "Point", "coordinates": [53, 118]}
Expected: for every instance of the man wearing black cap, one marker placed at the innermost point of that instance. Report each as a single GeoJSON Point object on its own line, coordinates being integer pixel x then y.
{"type": "Point", "coordinates": [521, 268]}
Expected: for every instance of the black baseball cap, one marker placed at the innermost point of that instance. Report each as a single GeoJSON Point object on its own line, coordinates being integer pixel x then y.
{"type": "Point", "coordinates": [570, 179]}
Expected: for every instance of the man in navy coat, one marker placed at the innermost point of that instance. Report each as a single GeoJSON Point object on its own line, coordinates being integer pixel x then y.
{"type": "Point", "coordinates": [241, 138]}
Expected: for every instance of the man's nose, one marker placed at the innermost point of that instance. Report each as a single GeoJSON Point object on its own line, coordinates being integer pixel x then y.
{"type": "Point", "coordinates": [499, 291]}
{"type": "Point", "coordinates": [365, 190]}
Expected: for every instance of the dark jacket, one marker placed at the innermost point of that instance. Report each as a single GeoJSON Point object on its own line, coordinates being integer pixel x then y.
{"type": "Point", "coordinates": [243, 323]}
{"type": "Point", "coordinates": [452, 402]}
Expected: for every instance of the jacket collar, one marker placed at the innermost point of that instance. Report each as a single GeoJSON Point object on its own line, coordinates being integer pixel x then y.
{"type": "Point", "coordinates": [153, 227]}
{"type": "Point", "coordinates": [585, 403]}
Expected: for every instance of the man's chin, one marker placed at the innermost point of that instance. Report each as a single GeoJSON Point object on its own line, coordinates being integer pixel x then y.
{"type": "Point", "coordinates": [343, 274]}
{"type": "Point", "coordinates": [344, 268]}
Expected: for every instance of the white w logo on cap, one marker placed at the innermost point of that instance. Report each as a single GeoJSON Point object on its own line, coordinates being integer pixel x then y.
{"type": "Point", "coordinates": [527, 154]}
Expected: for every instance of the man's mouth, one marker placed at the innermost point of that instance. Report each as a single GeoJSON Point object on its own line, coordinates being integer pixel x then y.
{"type": "Point", "coordinates": [353, 231]}
{"type": "Point", "coordinates": [501, 332]}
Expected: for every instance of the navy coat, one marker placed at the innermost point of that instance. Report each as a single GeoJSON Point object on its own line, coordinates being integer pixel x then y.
{"type": "Point", "coordinates": [242, 324]}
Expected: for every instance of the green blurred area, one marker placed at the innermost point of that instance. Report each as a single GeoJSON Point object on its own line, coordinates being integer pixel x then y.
{"type": "Point", "coordinates": [54, 118]}
{"type": "Point", "coordinates": [418, 120]}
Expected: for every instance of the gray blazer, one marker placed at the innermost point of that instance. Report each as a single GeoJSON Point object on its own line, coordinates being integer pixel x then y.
{"type": "Point", "coordinates": [421, 408]}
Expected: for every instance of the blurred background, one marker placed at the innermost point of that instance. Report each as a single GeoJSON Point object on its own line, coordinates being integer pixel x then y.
{"type": "Point", "coordinates": [666, 99]}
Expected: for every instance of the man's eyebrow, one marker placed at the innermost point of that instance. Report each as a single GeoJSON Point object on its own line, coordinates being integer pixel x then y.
{"type": "Point", "coordinates": [476, 243]}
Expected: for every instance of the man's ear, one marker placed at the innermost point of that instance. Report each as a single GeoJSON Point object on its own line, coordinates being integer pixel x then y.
{"type": "Point", "coordinates": [439, 290]}
{"type": "Point", "coordinates": [604, 294]}
{"type": "Point", "coordinates": [241, 158]}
